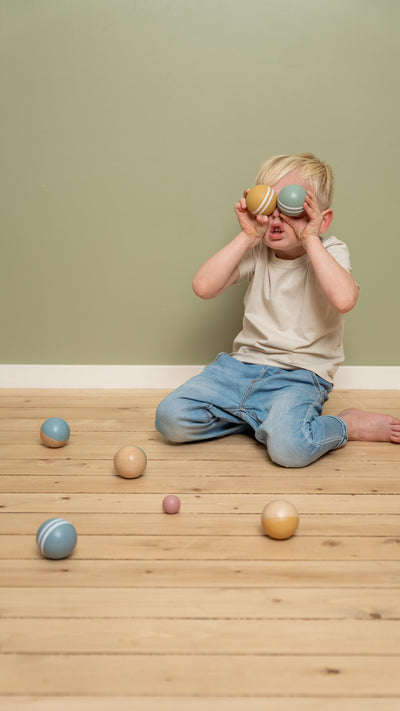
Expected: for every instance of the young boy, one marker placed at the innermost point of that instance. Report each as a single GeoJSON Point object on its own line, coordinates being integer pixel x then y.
{"type": "Point", "coordinates": [281, 369]}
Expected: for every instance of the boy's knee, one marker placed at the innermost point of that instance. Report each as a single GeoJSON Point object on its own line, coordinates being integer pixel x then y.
{"type": "Point", "coordinates": [167, 421]}
{"type": "Point", "coordinates": [290, 458]}
{"type": "Point", "coordinates": [291, 451]}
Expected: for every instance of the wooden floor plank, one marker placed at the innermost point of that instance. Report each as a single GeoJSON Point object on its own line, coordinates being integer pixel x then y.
{"type": "Point", "coordinates": [77, 397]}
{"type": "Point", "coordinates": [344, 469]}
{"type": "Point", "coordinates": [109, 482]}
{"type": "Point", "coordinates": [190, 547]}
{"type": "Point", "coordinates": [187, 703]}
{"type": "Point", "coordinates": [219, 637]}
{"type": "Point", "coordinates": [89, 420]}
{"type": "Point", "coordinates": [201, 675]}
{"type": "Point", "coordinates": [333, 603]}
{"type": "Point", "coordinates": [206, 524]}
{"type": "Point", "coordinates": [205, 573]}
{"type": "Point", "coordinates": [131, 501]}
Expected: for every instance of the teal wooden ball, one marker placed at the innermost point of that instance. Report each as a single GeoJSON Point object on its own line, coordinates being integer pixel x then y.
{"type": "Point", "coordinates": [56, 538]}
{"type": "Point", "coordinates": [54, 432]}
{"type": "Point", "coordinates": [291, 200]}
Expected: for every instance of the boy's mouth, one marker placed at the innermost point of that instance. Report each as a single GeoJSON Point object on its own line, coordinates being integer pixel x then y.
{"type": "Point", "coordinates": [276, 233]}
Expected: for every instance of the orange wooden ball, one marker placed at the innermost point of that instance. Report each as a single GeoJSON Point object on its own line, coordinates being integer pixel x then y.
{"type": "Point", "coordinates": [261, 200]}
{"type": "Point", "coordinates": [130, 462]}
{"type": "Point", "coordinates": [280, 519]}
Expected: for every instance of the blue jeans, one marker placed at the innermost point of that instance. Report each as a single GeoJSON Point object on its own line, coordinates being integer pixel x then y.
{"type": "Point", "coordinates": [283, 408]}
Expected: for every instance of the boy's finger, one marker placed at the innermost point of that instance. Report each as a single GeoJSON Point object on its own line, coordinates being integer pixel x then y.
{"type": "Point", "coordinates": [289, 221]}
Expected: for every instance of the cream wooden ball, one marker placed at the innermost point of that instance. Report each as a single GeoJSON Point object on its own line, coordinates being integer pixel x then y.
{"type": "Point", "coordinates": [279, 519]}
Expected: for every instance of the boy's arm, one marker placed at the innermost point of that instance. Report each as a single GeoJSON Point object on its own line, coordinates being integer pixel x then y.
{"type": "Point", "coordinates": [335, 281]}
{"type": "Point", "coordinates": [221, 270]}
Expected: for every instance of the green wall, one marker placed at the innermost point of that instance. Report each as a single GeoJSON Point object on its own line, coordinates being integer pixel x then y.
{"type": "Point", "coordinates": [130, 127]}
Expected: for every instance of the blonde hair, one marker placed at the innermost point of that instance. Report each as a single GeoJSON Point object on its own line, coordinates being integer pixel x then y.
{"type": "Point", "coordinates": [318, 174]}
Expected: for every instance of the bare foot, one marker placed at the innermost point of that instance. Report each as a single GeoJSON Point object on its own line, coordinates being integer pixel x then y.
{"type": "Point", "coordinates": [370, 426]}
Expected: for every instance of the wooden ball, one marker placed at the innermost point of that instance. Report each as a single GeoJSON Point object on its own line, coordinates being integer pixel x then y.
{"type": "Point", "coordinates": [171, 504]}
{"type": "Point", "coordinates": [291, 200]}
{"type": "Point", "coordinates": [54, 432]}
{"type": "Point", "coordinates": [261, 200]}
{"type": "Point", "coordinates": [280, 519]}
{"type": "Point", "coordinates": [56, 538]}
{"type": "Point", "coordinates": [130, 462]}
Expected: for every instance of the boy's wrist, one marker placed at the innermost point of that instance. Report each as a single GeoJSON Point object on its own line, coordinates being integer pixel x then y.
{"type": "Point", "coordinates": [248, 240]}
{"type": "Point", "coordinates": [311, 241]}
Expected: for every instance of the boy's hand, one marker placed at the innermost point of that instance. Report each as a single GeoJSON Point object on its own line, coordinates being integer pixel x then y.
{"type": "Point", "coordinates": [253, 226]}
{"type": "Point", "coordinates": [308, 226]}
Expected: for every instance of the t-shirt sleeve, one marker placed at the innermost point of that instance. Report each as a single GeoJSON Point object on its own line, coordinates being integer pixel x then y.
{"type": "Point", "coordinates": [247, 264]}
{"type": "Point", "coordinates": [339, 251]}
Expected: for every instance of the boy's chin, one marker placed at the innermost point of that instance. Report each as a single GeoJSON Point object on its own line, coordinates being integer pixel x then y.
{"type": "Point", "coordinates": [275, 242]}
{"type": "Point", "coordinates": [284, 249]}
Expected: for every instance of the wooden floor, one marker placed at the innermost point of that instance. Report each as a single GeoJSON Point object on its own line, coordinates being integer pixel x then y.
{"type": "Point", "coordinates": [199, 610]}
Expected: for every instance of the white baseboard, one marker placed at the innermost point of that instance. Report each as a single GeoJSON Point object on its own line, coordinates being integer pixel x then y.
{"type": "Point", "coordinates": [368, 377]}
{"type": "Point", "coordinates": [350, 377]}
{"type": "Point", "coordinates": [96, 376]}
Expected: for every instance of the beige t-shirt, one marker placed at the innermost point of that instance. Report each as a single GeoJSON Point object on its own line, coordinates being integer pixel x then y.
{"type": "Point", "coordinates": [288, 321]}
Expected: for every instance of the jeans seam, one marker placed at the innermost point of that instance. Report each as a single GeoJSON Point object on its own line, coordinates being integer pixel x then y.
{"type": "Point", "coordinates": [325, 441]}
{"type": "Point", "coordinates": [345, 437]}
{"type": "Point", "coordinates": [317, 384]}
{"type": "Point", "coordinates": [307, 419]}
{"type": "Point", "coordinates": [307, 436]}
{"type": "Point", "coordinates": [250, 388]}
{"type": "Point", "coordinates": [211, 416]}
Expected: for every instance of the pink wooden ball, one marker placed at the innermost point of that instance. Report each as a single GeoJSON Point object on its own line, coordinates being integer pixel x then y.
{"type": "Point", "coordinates": [171, 504]}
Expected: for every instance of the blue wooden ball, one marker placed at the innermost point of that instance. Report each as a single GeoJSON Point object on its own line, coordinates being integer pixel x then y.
{"type": "Point", "coordinates": [54, 432]}
{"type": "Point", "coordinates": [56, 538]}
{"type": "Point", "coordinates": [291, 200]}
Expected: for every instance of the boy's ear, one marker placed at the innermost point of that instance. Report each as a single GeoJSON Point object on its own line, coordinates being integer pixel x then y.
{"type": "Point", "coordinates": [328, 216]}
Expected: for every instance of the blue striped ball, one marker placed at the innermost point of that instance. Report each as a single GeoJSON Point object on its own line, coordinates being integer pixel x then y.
{"type": "Point", "coordinates": [56, 538]}
{"type": "Point", "coordinates": [291, 200]}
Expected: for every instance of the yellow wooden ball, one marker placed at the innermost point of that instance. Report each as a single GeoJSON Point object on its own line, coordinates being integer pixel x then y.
{"type": "Point", "coordinates": [130, 462]}
{"type": "Point", "coordinates": [280, 519]}
{"type": "Point", "coordinates": [261, 200]}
